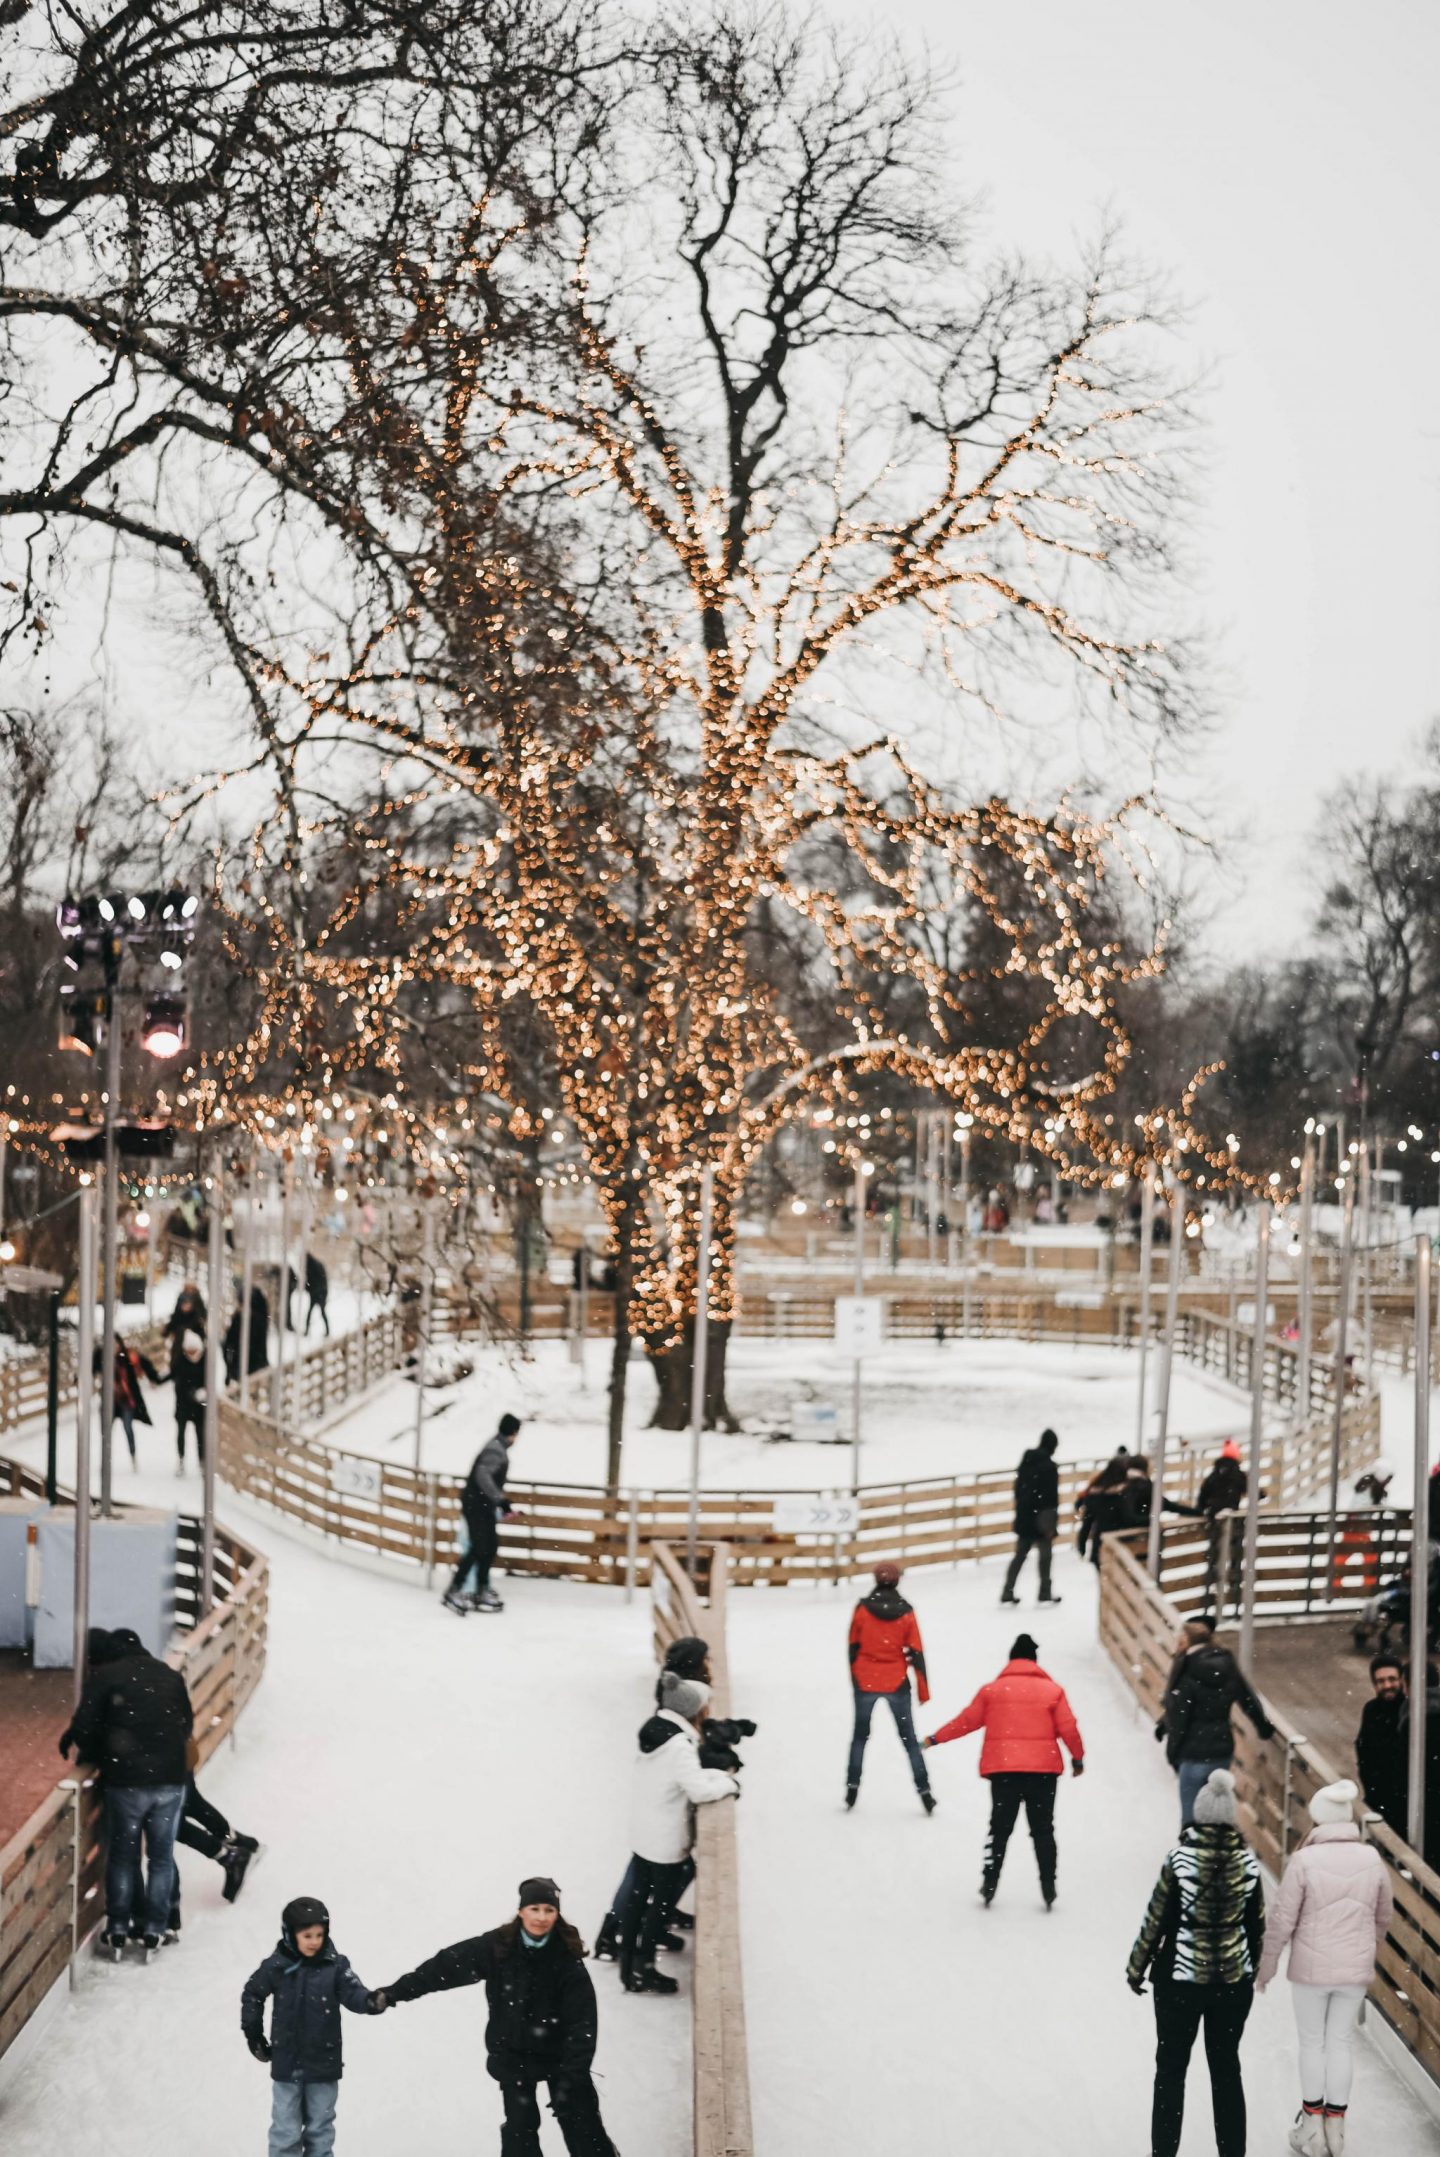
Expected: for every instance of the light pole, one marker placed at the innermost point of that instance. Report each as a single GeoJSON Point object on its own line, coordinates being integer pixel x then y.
{"type": "Point", "coordinates": [1167, 1365]}
{"type": "Point", "coordinates": [247, 1287]}
{"type": "Point", "coordinates": [1342, 1327]}
{"type": "Point", "coordinates": [1306, 1342]}
{"type": "Point", "coordinates": [859, 1291]}
{"type": "Point", "coordinates": [84, 1396]}
{"type": "Point", "coordinates": [109, 1236]}
{"type": "Point", "coordinates": [1147, 1240]}
{"type": "Point", "coordinates": [427, 1305]}
{"type": "Point", "coordinates": [213, 1383]}
{"type": "Point", "coordinates": [698, 1361]}
{"type": "Point", "coordinates": [1420, 1553]}
{"type": "Point", "coordinates": [1257, 1432]}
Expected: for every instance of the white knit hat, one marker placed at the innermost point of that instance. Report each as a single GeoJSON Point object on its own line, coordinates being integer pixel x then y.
{"type": "Point", "coordinates": [683, 1696]}
{"type": "Point", "coordinates": [1334, 1805]}
{"type": "Point", "coordinates": [1215, 1802]}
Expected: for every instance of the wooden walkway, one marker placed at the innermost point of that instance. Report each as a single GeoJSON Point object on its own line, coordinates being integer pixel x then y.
{"type": "Point", "coordinates": [1312, 1671]}
{"type": "Point", "coordinates": [34, 1707]}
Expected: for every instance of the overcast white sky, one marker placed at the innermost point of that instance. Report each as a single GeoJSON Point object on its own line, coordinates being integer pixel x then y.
{"type": "Point", "coordinates": [1282, 159]}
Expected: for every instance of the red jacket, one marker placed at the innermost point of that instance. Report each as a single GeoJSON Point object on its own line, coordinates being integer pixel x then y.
{"type": "Point", "coordinates": [1023, 1713]}
{"type": "Point", "coordinates": [884, 1644]}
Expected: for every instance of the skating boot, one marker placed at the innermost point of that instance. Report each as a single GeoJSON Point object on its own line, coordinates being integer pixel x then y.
{"type": "Point", "coordinates": [671, 1942]}
{"type": "Point", "coordinates": [988, 1883]}
{"type": "Point", "coordinates": [487, 1600]}
{"type": "Point", "coordinates": [928, 1800]}
{"type": "Point", "coordinates": [607, 1946]}
{"type": "Point", "coordinates": [112, 1945]}
{"type": "Point", "coordinates": [644, 1977]}
{"type": "Point", "coordinates": [1307, 2136]}
{"type": "Point", "coordinates": [1047, 1889]}
{"type": "Point", "coordinates": [460, 1604]}
{"type": "Point", "coordinates": [852, 1791]}
{"type": "Point", "coordinates": [1049, 1598]}
{"type": "Point", "coordinates": [682, 1920]}
{"type": "Point", "coordinates": [1334, 2131]}
{"type": "Point", "coordinates": [150, 1946]}
{"type": "Point", "coordinates": [236, 1859]}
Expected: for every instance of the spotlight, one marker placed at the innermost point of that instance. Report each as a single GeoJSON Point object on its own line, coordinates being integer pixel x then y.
{"type": "Point", "coordinates": [135, 907]}
{"type": "Point", "coordinates": [106, 909]}
{"type": "Point", "coordinates": [163, 1033]}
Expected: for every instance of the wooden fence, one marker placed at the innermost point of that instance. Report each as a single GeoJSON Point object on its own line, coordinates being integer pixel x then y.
{"type": "Point", "coordinates": [52, 1870]}
{"type": "Point", "coordinates": [1276, 1778]}
{"type": "Point", "coordinates": [722, 2126]}
{"type": "Point", "coordinates": [577, 1531]}
{"type": "Point", "coordinates": [324, 1375]}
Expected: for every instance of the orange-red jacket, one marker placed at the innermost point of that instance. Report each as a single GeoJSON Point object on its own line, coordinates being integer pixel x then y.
{"type": "Point", "coordinates": [885, 1645]}
{"type": "Point", "coordinates": [1023, 1713]}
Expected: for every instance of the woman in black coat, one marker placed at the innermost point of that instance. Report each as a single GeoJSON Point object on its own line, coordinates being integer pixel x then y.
{"type": "Point", "coordinates": [542, 2020]}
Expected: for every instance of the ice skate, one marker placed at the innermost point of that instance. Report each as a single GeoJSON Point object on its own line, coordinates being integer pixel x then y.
{"type": "Point", "coordinates": [112, 1945]}
{"type": "Point", "coordinates": [487, 1600]}
{"type": "Point", "coordinates": [235, 1861]}
{"type": "Point", "coordinates": [460, 1604]}
{"type": "Point", "coordinates": [1334, 2143]}
{"type": "Point", "coordinates": [929, 1800]}
{"type": "Point", "coordinates": [852, 1791]}
{"type": "Point", "coordinates": [644, 1977]}
{"type": "Point", "coordinates": [607, 1944]}
{"type": "Point", "coordinates": [1307, 2136]}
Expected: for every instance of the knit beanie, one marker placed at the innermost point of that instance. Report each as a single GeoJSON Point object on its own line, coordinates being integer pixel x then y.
{"type": "Point", "coordinates": [887, 1575]}
{"type": "Point", "coordinates": [538, 1890]}
{"type": "Point", "coordinates": [683, 1696]}
{"type": "Point", "coordinates": [1215, 1805]}
{"type": "Point", "coordinates": [686, 1657]}
{"type": "Point", "coordinates": [1334, 1805]}
{"type": "Point", "coordinates": [1023, 1649]}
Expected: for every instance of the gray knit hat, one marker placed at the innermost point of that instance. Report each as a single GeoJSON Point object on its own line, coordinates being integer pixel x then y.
{"type": "Point", "coordinates": [683, 1696]}
{"type": "Point", "coordinates": [1215, 1804]}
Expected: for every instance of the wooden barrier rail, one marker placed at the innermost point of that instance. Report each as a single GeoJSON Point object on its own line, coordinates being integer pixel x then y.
{"type": "Point", "coordinates": [52, 1871]}
{"type": "Point", "coordinates": [580, 1532]}
{"type": "Point", "coordinates": [1276, 1778]}
{"type": "Point", "coordinates": [722, 2124]}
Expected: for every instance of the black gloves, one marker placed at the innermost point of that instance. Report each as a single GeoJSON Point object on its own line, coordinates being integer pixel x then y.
{"type": "Point", "coordinates": [66, 1741]}
{"type": "Point", "coordinates": [1077, 1767]}
{"type": "Point", "coordinates": [260, 2046]}
{"type": "Point", "coordinates": [1160, 1731]}
{"type": "Point", "coordinates": [1136, 1986]}
{"type": "Point", "coordinates": [378, 2003]}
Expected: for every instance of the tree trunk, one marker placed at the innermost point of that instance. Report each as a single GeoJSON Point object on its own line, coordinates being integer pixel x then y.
{"type": "Point", "coordinates": [619, 1350]}
{"type": "Point", "coordinates": [674, 1369]}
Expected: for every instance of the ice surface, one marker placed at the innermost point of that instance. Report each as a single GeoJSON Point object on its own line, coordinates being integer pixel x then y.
{"type": "Point", "coordinates": [887, 2008]}
{"type": "Point", "coordinates": [926, 1411]}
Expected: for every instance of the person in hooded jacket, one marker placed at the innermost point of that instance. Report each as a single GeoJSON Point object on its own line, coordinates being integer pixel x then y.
{"type": "Point", "coordinates": [1205, 1683]}
{"type": "Point", "coordinates": [130, 1403]}
{"type": "Point", "coordinates": [1099, 1505]}
{"type": "Point", "coordinates": [187, 1375]}
{"type": "Point", "coordinates": [1037, 1514]}
{"type": "Point", "coordinates": [686, 1657]}
{"type": "Point", "coordinates": [1026, 1719]}
{"type": "Point", "coordinates": [307, 1983]}
{"type": "Point", "coordinates": [1332, 1912]}
{"type": "Point", "coordinates": [134, 1723]}
{"type": "Point", "coordinates": [669, 1782]}
{"type": "Point", "coordinates": [542, 2024]}
{"type": "Point", "coordinates": [484, 1505]}
{"type": "Point", "coordinates": [885, 1646]}
{"type": "Point", "coordinates": [1225, 1484]}
{"type": "Point", "coordinates": [1200, 1939]}
{"type": "Point", "coordinates": [189, 1314]}
{"type": "Point", "coordinates": [259, 1343]}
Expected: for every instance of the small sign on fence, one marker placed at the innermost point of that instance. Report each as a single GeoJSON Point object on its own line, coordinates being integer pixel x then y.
{"type": "Point", "coordinates": [1078, 1299]}
{"type": "Point", "coordinates": [355, 1478]}
{"type": "Point", "coordinates": [815, 1420]}
{"type": "Point", "coordinates": [859, 1324]}
{"type": "Point", "coordinates": [797, 1514]}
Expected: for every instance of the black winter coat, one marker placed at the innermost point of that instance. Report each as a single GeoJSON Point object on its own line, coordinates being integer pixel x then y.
{"type": "Point", "coordinates": [1382, 1757]}
{"type": "Point", "coordinates": [306, 1995]}
{"type": "Point", "coordinates": [1224, 1488]}
{"type": "Point", "coordinates": [485, 1484]}
{"type": "Point", "coordinates": [1204, 1685]}
{"type": "Point", "coordinates": [542, 2004]}
{"type": "Point", "coordinates": [132, 1723]}
{"type": "Point", "coordinates": [1037, 1491]}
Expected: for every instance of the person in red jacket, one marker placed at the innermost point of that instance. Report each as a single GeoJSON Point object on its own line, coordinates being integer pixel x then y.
{"type": "Point", "coordinates": [1026, 1719]}
{"type": "Point", "coordinates": [885, 1646]}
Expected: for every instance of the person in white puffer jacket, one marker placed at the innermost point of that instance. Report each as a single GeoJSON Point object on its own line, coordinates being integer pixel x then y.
{"type": "Point", "coordinates": [1332, 1912]}
{"type": "Point", "coordinates": [669, 1783]}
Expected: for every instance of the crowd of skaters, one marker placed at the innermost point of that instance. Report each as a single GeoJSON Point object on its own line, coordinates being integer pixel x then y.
{"type": "Point", "coordinates": [1205, 1943]}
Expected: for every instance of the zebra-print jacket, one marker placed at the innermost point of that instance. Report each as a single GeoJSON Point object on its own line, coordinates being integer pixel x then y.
{"type": "Point", "coordinates": [1206, 1919]}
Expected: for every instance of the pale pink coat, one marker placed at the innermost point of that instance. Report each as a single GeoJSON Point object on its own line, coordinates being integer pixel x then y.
{"type": "Point", "coordinates": [1333, 1909]}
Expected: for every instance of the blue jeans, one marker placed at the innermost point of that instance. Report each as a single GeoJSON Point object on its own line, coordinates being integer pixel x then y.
{"type": "Point", "coordinates": [153, 1814]}
{"type": "Point", "coordinates": [1194, 1774]}
{"type": "Point", "coordinates": [904, 1715]}
{"type": "Point", "coordinates": [302, 2118]}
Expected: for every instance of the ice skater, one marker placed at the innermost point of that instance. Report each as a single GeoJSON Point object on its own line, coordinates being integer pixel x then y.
{"type": "Point", "coordinates": [1037, 1515]}
{"type": "Point", "coordinates": [686, 1657]}
{"type": "Point", "coordinates": [885, 1646]}
{"type": "Point", "coordinates": [204, 1827]}
{"type": "Point", "coordinates": [1201, 1940]}
{"type": "Point", "coordinates": [1332, 1912]}
{"type": "Point", "coordinates": [1026, 1719]}
{"type": "Point", "coordinates": [669, 1782]}
{"type": "Point", "coordinates": [307, 1984]}
{"type": "Point", "coordinates": [542, 2023]}
{"type": "Point", "coordinates": [484, 1505]}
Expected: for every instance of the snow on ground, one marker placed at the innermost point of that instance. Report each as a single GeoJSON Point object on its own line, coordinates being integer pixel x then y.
{"type": "Point", "coordinates": [926, 1411]}
{"type": "Point", "coordinates": [409, 1768]}
{"type": "Point", "coordinates": [887, 2008]}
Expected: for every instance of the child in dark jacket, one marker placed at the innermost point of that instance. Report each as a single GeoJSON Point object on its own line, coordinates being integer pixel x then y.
{"type": "Point", "coordinates": [307, 1983]}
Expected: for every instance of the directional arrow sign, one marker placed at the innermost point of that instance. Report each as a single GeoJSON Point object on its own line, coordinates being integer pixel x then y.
{"type": "Point", "coordinates": [797, 1514]}
{"type": "Point", "coordinates": [859, 1324]}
